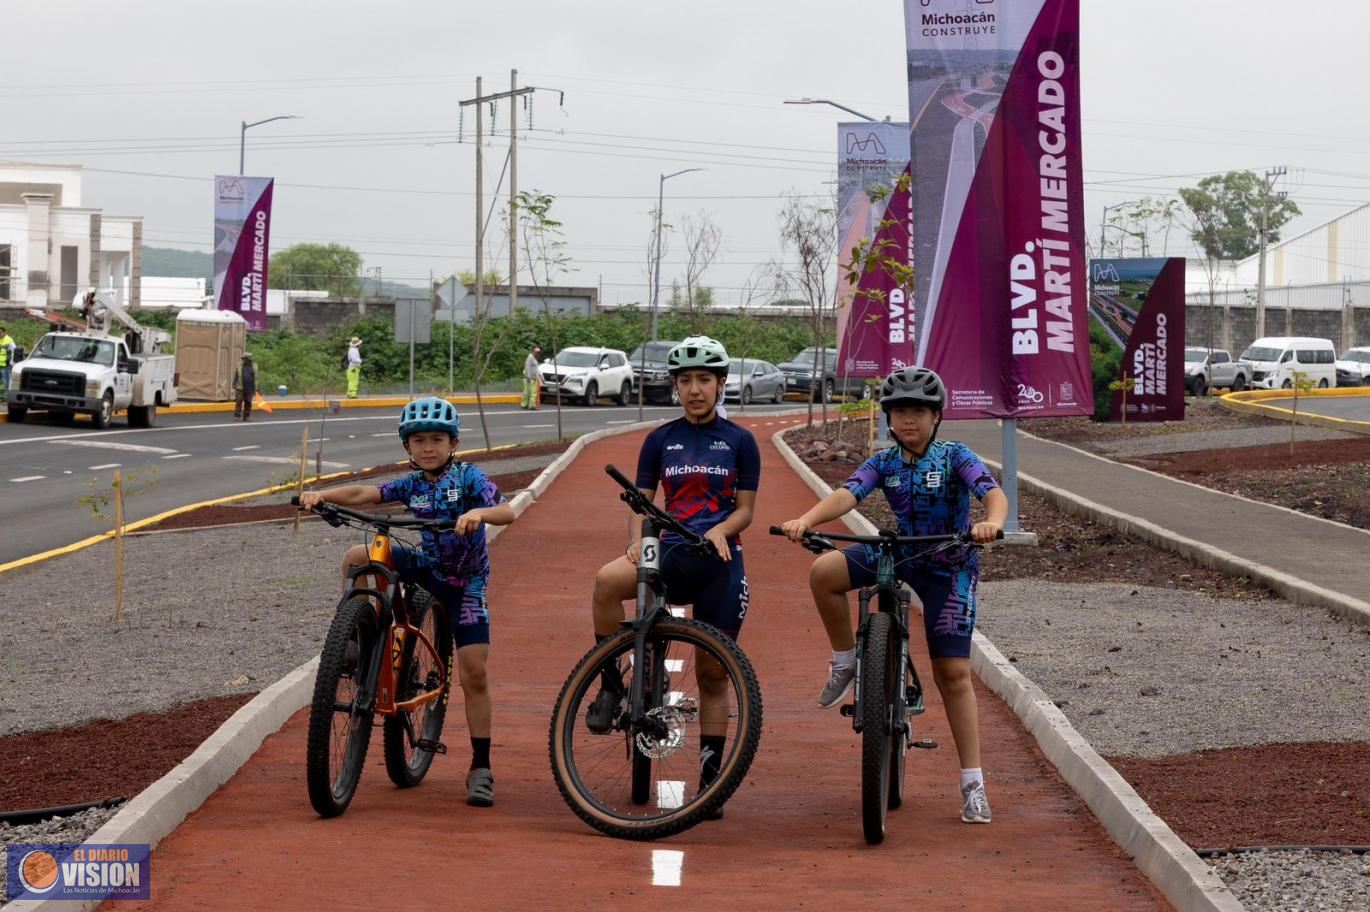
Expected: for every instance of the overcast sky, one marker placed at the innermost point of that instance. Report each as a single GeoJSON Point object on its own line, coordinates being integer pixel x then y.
{"type": "Point", "coordinates": [148, 96]}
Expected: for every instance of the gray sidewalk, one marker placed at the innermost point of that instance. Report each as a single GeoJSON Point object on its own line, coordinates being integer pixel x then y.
{"type": "Point", "coordinates": [1304, 558]}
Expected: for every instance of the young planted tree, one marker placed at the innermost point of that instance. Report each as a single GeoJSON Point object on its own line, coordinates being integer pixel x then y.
{"type": "Point", "coordinates": [702, 240]}
{"type": "Point", "coordinates": [486, 342]}
{"type": "Point", "coordinates": [808, 234]}
{"type": "Point", "coordinates": [540, 236]}
{"type": "Point", "coordinates": [764, 284]}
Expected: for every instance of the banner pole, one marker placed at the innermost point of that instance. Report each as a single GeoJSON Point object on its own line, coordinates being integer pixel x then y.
{"type": "Point", "coordinates": [1010, 480]}
{"type": "Point", "coordinates": [118, 547]}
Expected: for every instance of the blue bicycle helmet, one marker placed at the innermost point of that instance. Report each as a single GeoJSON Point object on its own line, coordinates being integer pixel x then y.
{"type": "Point", "coordinates": [429, 414]}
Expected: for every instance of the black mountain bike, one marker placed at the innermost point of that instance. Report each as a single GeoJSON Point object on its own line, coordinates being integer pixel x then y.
{"type": "Point", "coordinates": [680, 679]}
{"type": "Point", "coordinates": [888, 693]}
{"type": "Point", "coordinates": [387, 653]}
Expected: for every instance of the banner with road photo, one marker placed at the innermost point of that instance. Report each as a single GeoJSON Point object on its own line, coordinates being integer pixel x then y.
{"type": "Point", "coordinates": [998, 195]}
{"type": "Point", "coordinates": [1138, 304]}
{"type": "Point", "coordinates": [242, 246]}
{"type": "Point", "coordinates": [873, 209]}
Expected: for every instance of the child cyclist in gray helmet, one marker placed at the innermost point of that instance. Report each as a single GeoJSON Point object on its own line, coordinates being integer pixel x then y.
{"type": "Point", "coordinates": [928, 483]}
{"type": "Point", "coordinates": [708, 469]}
{"type": "Point", "coordinates": [453, 566]}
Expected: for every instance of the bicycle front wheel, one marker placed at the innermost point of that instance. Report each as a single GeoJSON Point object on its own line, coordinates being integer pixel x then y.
{"type": "Point", "coordinates": [906, 686]}
{"type": "Point", "coordinates": [341, 714]}
{"type": "Point", "coordinates": [877, 682]}
{"type": "Point", "coordinates": [706, 689]}
{"type": "Point", "coordinates": [411, 736]}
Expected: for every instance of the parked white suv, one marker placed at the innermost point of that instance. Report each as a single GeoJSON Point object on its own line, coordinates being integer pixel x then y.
{"type": "Point", "coordinates": [587, 373]}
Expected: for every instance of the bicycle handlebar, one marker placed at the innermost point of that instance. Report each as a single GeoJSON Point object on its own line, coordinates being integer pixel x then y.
{"type": "Point", "coordinates": [333, 514]}
{"type": "Point", "coordinates": [822, 541]}
{"type": "Point", "coordinates": [640, 505]}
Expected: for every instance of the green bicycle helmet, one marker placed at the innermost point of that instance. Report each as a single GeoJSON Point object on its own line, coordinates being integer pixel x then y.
{"type": "Point", "coordinates": [698, 352]}
{"type": "Point", "coordinates": [429, 414]}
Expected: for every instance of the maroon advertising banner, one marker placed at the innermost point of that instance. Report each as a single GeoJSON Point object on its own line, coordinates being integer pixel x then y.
{"type": "Point", "coordinates": [1139, 304]}
{"type": "Point", "coordinates": [999, 305]}
{"type": "Point", "coordinates": [242, 246]}
{"type": "Point", "coordinates": [872, 212]}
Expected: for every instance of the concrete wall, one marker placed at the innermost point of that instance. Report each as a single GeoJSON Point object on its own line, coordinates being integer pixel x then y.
{"type": "Point", "coordinates": [1234, 328]}
{"type": "Point", "coordinates": [320, 317]}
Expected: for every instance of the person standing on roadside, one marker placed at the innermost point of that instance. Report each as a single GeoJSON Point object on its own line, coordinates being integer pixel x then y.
{"type": "Point", "coordinates": [532, 380]}
{"type": "Point", "coordinates": [354, 366]}
{"type": "Point", "coordinates": [244, 387]}
{"type": "Point", "coordinates": [6, 360]}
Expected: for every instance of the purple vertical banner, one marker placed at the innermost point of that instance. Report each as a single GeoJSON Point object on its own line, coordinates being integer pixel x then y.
{"type": "Point", "coordinates": [873, 334]}
{"type": "Point", "coordinates": [998, 195]}
{"type": "Point", "coordinates": [1139, 305]}
{"type": "Point", "coordinates": [242, 246]}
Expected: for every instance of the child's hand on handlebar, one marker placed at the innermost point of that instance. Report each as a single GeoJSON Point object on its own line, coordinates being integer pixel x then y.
{"type": "Point", "coordinates": [632, 552]}
{"type": "Point", "coordinates": [468, 522]}
{"type": "Point", "coordinates": [794, 529]}
{"type": "Point", "coordinates": [982, 533]}
{"type": "Point", "coordinates": [310, 499]}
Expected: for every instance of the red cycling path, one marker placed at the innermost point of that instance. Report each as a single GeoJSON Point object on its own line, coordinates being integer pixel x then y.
{"type": "Point", "coordinates": [792, 835]}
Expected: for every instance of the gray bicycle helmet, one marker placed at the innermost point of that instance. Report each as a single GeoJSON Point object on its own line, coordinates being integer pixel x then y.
{"type": "Point", "coordinates": [913, 386]}
{"type": "Point", "coordinates": [698, 352]}
{"type": "Point", "coordinates": [429, 414]}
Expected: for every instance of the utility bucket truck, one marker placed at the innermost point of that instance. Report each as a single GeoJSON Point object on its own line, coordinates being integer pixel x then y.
{"type": "Point", "coordinates": [89, 371]}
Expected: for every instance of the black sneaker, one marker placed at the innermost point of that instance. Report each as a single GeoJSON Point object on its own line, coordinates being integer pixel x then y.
{"type": "Point", "coordinates": [600, 717]}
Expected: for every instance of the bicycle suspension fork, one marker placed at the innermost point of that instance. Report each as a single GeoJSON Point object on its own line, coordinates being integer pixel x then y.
{"type": "Point", "coordinates": [648, 583]}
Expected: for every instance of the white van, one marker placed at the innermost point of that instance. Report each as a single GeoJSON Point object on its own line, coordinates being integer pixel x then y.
{"type": "Point", "coordinates": [1274, 361]}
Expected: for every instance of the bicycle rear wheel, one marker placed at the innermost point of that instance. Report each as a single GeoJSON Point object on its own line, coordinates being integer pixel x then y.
{"type": "Point", "coordinates": [598, 774]}
{"type": "Point", "coordinates": [341, 715]}
{"type": "Point", "coordinates": [411, 736]}
{"type": "Point", "coordinates": [876, 686]}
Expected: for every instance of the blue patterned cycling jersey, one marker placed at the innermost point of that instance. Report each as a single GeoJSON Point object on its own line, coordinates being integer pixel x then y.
{"type": "Point", "coordinates": [700, 468]}
{"type": "Point", "coordinates": [462, 487]}
{"type": "Point", "coordinates": [930, 496]}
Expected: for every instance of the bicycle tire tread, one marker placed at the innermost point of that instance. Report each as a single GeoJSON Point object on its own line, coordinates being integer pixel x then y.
{"type": "Point", "coordinates": [319, 737]}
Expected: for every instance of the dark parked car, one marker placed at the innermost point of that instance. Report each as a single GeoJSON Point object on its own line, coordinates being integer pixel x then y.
{"type": "Point", "coordinates": [657, 387]}
{"type": "Point", "coordinates": [802, 375]}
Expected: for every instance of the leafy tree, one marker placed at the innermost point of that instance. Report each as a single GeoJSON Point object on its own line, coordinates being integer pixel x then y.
{"type": "Point", "coordinates": [318, 267]}
{"type": "Point", "coordinates": [545, 253]}
{"type": "Point", "coordinates": [1226, 214]}
{"type": "Point", "coordinates": [467, 277]}
{"type": "Point", "coordinates": [808, 232]}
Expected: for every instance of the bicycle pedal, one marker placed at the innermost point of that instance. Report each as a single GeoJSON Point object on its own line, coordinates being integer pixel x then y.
{"type": "Point", "coordinates": [849, 710]}
{"type": "Point", "coordinates": [924, 744]}
{"type": "Point", "coordinates": [916, 709]}
{"type": "Point", "coordinates": [436, 747]}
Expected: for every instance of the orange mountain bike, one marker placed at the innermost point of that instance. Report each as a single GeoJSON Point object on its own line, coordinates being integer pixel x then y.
{"type": "Point", "coordinates": [388, 653]}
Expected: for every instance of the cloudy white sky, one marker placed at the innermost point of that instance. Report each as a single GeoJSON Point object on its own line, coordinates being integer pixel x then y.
{"type": "Point", "coordinates": [148, 96]}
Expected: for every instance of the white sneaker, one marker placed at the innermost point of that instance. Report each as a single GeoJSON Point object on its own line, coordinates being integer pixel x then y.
{"type": "Point", "coordinates": [974, 804]}
{"type": "Point", "coordinates": [841, 680]}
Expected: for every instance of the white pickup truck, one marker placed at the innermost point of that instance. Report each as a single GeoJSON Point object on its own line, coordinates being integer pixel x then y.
{"type": "Point", "coordinates": [1207, 368]}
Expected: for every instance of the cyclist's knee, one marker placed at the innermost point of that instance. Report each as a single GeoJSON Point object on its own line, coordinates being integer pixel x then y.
{"type": "Point", "coordinates": [474, 678]}
{"type": "Point", "coordinates": [951, 675]}
{"type": "Point", "coordinates": [828, 574]}
{"type": "Point", "coordinates": [710, 674]}
{"type": "Point", "coordinates": [355, 557]}
{"type": "Point", "coordinates": [615, 580]}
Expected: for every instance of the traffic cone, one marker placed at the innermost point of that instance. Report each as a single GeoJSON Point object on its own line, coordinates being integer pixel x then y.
{"type": "Point", "coordinates": [258, 401]}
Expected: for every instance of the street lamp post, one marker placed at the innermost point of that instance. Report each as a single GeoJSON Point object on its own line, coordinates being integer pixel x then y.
{"type": "Point", "coordinates": [656, 268]}
{"type": "Point", "coordinates": [843, 107]}
{"type": "Point", "coordinates": [242, 135]}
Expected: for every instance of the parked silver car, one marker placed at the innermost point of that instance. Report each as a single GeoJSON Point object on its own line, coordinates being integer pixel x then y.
{"type": "Point", "coordinates": [750, 380]}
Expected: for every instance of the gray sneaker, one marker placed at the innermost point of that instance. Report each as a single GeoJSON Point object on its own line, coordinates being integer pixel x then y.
{"type": "Point", "coordinates": [841, 679]}
{"type": "Point", "coordinates": [974, 806]}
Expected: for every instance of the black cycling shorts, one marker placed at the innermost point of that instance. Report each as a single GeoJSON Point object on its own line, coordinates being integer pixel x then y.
{"type": "Point", "coordinates": [717, 590]}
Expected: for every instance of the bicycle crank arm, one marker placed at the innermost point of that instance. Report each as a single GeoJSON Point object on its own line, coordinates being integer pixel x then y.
{"type": "Point", "coordinates": [924, 744]}
{"type": "Point", "coordinates": [436, 747]}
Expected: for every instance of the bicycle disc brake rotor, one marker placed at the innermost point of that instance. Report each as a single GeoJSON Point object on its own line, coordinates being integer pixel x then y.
{"type": "Point", "coordinates": [670, 723]}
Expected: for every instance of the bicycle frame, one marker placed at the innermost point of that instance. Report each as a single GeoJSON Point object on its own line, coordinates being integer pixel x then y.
{"type": "Point", "coordinates": [402, 637]}
{"type": "Point", "coordinates": [651, 601]}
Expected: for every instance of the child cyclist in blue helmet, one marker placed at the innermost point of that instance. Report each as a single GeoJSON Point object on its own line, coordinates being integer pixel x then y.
{"type": "Point", "coordinates": [928, 483]}
{"type": "Point", "coordinates": [453, 566]}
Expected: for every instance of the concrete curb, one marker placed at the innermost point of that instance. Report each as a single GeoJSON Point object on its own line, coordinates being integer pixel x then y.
{"type": "Point", "coordinates": [159, 809]}
{"type": "Point", "coordinates": [1293, 588]}
{"type": "Point", "coordinates": [1162, 856]}
{"type": "Point", "coordinates": [204, 408]}
{"type": "Point", "coordinates": [1252, 402]}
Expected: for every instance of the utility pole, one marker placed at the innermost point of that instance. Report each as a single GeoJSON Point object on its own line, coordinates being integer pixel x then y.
{"type": "Point", "coordinates": [513, 93]}
{"type": "Point", "coordinates": [1267, 186]}
{"type": "Point", "coordinates": [480, 208]}
{"type": "Point", "coordinates": [513, 193]}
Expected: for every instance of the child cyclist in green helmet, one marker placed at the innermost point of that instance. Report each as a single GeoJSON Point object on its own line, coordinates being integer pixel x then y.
{"type": "Point", "coordinates": [453, 566]}
{"type": "Point", "coordinates": [708, 469]}
{"type": "Point", "coordinates": [928, 483]}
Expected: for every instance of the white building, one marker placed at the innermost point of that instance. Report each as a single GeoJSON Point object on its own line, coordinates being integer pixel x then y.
{"type": "Point", "coordinates": [1333, 253]}
{"type": "Point", "coordinates": [52, 247]}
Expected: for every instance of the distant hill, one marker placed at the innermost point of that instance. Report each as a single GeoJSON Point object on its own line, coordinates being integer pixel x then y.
{"type": "Point", "coordinates": [166, 261]}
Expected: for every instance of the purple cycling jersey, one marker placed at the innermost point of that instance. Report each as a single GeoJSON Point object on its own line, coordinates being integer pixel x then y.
{"type": "Point", "coordinates": [701, 468]}
{"type": "Point", "coordinates": [930, 496]}
{"type": "Point", "coordinates": [463, 487]}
